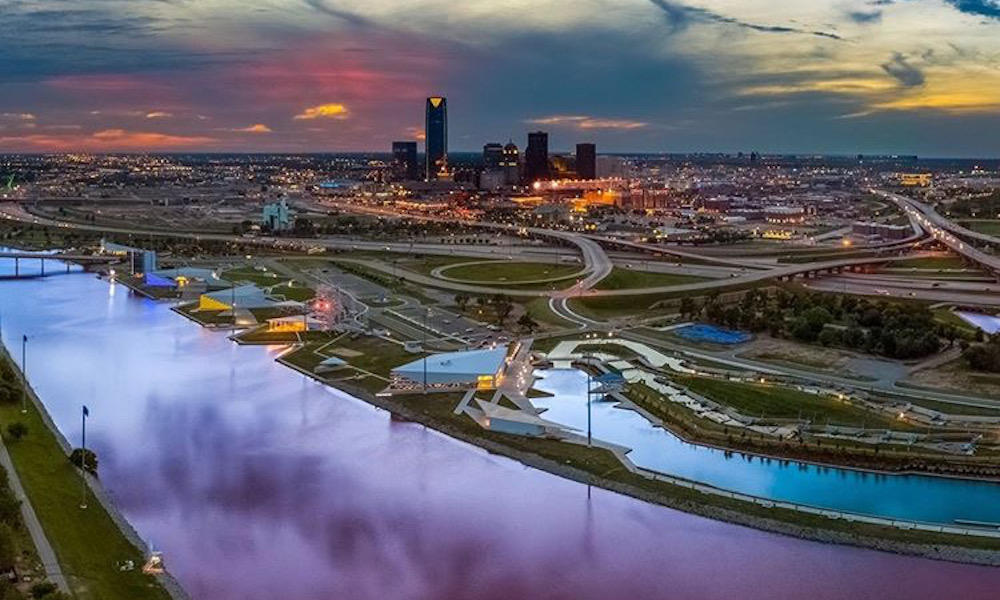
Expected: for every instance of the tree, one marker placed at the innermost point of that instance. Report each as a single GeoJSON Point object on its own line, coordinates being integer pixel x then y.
{"type": "Point", "coordinates": [462, 301]}
{"type": "Point", "coordinates": [527, 323]}
{"type": "Point", "coordinates": [502, 306]}
{"type": "Point", "coordinates": [688, 307]}
{"type": "Point", "coordinates": [829, 337]}
{"type": "Point", "coordinates": [43, 589]}
{"type": "Point", "coordinates": [8, 548]}
{"type": "Point", "coordinates": [85, 459]}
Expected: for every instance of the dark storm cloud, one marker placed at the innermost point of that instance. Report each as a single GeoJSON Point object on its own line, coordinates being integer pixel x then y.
{"type": "Point", "coordinates": [903, 72]}
{"type": "Point", "coordinates": [680, 16]}
{"type": "Point", "coordinates": [985, 8]}
{"type": "Point", "coordinates": [328, 8]}
{"type": "Point", "coordinates": [865, 17]}
{"type": "Point", "coordinates": [44, 39]}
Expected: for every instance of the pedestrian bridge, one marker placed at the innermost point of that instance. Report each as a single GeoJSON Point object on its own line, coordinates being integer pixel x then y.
{"type": "Point", "coordinates": [68, 259]}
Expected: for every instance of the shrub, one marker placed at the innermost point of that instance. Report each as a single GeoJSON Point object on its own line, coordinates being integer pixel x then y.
{"type": "Point", "coordinates": [8, 548]}
{"type": "Point", "coordinates": [43, 589]}
{"type": "Point", "coordinates": [85, 459]}
{"type": "Point", "coordinates": [17, 430]}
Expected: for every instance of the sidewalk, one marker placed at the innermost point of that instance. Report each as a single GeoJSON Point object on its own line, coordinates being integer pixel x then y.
{"type": "Point", "coordinates": [45, 552]}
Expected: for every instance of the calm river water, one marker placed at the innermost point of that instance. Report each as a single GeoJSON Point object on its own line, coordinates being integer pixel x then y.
{"type": "Point", "coordinates": [258, 483]}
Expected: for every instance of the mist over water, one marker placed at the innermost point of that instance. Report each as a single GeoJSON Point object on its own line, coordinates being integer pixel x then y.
{"type": "Point", "coordinates": [258, 483]}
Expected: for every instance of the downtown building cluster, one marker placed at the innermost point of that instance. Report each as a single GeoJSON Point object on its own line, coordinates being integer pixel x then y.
{"type": "Point", "coordinates": [502, 165]}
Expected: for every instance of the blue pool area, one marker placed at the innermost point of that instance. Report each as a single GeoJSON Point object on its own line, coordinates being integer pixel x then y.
{"type": "Point", "coordinates": [701, 332]}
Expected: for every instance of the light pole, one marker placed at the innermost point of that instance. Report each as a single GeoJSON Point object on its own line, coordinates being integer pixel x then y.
{"type": "Point", "coordinates": [83, 460]}
{"type": "Point", "coordinates": [426, 310]}
{"type": "Point", "coordinates": [586, 357]}
{"type": "Point", "coordinates": [24, 374]}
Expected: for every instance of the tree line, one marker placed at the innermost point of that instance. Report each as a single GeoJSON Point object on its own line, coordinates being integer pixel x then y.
{"type": "Point", "coordinates": [892, 329]}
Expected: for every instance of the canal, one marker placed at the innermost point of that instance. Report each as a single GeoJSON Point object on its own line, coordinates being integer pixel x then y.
{"type": "Point", "coordinates": [258, 483]}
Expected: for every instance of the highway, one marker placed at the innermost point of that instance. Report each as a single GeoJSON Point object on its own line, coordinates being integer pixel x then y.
{"type": "Point", "coordinates": [947, 232]}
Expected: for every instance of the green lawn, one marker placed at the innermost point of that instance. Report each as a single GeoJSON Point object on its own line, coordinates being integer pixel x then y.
{"type": "Point", "coordinates": [626, 279]}
{"type": "Point", "coordinates": [87, 542]}
{"type": "Point", "coordinates": [248, 275]}
{"type": "Point", "coordinates": [262, 336]}
{"type": "Point", "coordinates": [776, 402]}
{"type": "Point", "coordinates": [539, 310]}
{"type": "Point", "coordinates": [987, 227]}
{"type": "Point", "coordinates": [511, 272]}
{"type": "Point", "coordinates": [932, 262]}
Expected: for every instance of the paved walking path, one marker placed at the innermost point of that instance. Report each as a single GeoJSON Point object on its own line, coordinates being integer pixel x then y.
{"type": "Point", "coordinates": [45, 552]}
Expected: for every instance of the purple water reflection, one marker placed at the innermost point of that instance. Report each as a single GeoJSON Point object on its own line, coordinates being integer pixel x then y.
{"type": "Point", "coordinates": [258, 483]}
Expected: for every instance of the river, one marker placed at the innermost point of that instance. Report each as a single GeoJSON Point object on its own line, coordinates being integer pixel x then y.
{"type": "Point", "coordinates": [258, 483]}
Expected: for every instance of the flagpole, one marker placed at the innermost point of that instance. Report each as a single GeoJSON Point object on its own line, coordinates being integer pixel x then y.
{"type": "Point", "coordinates": [24, 374]}
{"type": "Point", "coordinates": [83, 461]}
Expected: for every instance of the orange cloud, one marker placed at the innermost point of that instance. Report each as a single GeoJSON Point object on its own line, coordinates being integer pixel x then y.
{"type": "Point", "coordinates": [107, 140]}
{"type": "Point", "coordinates": [158, 114]}
{"type": "Point", "coordinates": [416, 133]}
{"type": "Point", "coordinates": [586, 122]}
{"type": "Point", "coordinates": [323, 111]}
{"type": "Point", "coordinates": [255, 128]}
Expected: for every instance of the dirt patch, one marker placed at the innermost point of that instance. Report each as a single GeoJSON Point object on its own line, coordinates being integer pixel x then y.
{"type": "Point", "coordinates": [769, 349]}
{"type": "Point", "coordinates": [346, 352]}
{"type": "Point", "coordinates": [955, 376]}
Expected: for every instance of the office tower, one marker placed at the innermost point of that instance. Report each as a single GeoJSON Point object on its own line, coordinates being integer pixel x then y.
{"type": "Point", "coordinates": [492, 156]}
{"type": "Point", "coordinates": [586, 161]}
{"type": "Point", "coordinates": [536, 157]}
{"type": "Point", "coordinates": [436, 130]}
{"type": "Point", "coordinates": [404, 161]}
{"type": "Point", "coordinates": [511, 164]}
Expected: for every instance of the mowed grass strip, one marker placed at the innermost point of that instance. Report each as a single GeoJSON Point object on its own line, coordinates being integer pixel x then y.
{"type": "Point", "coordinates": [511, 272]}
{"type": "Point", "coordinates": [87, 542]}
{"type": "Point", "coordinates": [625, 279]}
{"type": "Point", "coordinates": [932, 262]}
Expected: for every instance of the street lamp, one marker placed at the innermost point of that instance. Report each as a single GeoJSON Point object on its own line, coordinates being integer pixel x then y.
{"type": "Point", "coordinates": [24, 374]}
{"type": "Point", "coordinates": [586, 356]}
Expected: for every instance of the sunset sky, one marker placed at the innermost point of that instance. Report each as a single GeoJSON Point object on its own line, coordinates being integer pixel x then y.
{"type": "Point", "coordinates": [831, 76]}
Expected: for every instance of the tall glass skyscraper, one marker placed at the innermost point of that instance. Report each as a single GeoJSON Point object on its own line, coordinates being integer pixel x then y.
{"type": "Point", "coordinates": [586, 161]}
{"type": "Point", "coordinates": [436, 130]}
{"type": "Point", "coordinates": [404, 161]}
{"type": "Point", "coordinates": [536, 157]}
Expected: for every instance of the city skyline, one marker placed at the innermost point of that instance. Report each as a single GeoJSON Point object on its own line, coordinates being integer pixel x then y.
{"type": "Point", "coordinates": [833, 77]}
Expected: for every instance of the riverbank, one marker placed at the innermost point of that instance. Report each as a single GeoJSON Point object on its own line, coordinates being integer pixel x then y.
{"type": "Point", "coordinates": [90, 544]}
{"type": "Point", "coordinates": [600, 468]}
{"type": "Point", "coordinates": [885, 458]}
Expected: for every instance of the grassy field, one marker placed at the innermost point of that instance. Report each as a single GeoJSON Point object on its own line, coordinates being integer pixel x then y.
{"type": "Point", "coordinates": [931, 262]}
{"type": "Point", "coordinates": [87, 542]}
{"type": "Point", "coordinates": [991, 227]}
{"type": "Point", "coordinates": [948, 317]}
{"type": "Point", "coordinates": [511, 272]}
{"type": "Point", "coordinates": [278, 286]}
{"type": "Point", "coordinates": [365, 356]}
{"type": "Point", "coordinates": [774, 402]}
{"type": "Point", "coordinates": [625, 279]}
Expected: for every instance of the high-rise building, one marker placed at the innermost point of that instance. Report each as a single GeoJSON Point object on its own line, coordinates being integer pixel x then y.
{"type": "Point", "coordinates": [586, 161]}
{"type": "Point", "coordinates": [436, 130]}
{"type": "Point", "coordinates": [492, 155]}
{"type": "Point", "coordinates": [536, 157]}
{"type": "Point", "coordinates": [511, 164]}
{"type": "Point", "coordinates": [404, 161]}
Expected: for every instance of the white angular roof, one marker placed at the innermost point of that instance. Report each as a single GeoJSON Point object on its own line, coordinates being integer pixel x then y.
{"type": "Point", "coordinates": [470, 363]}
